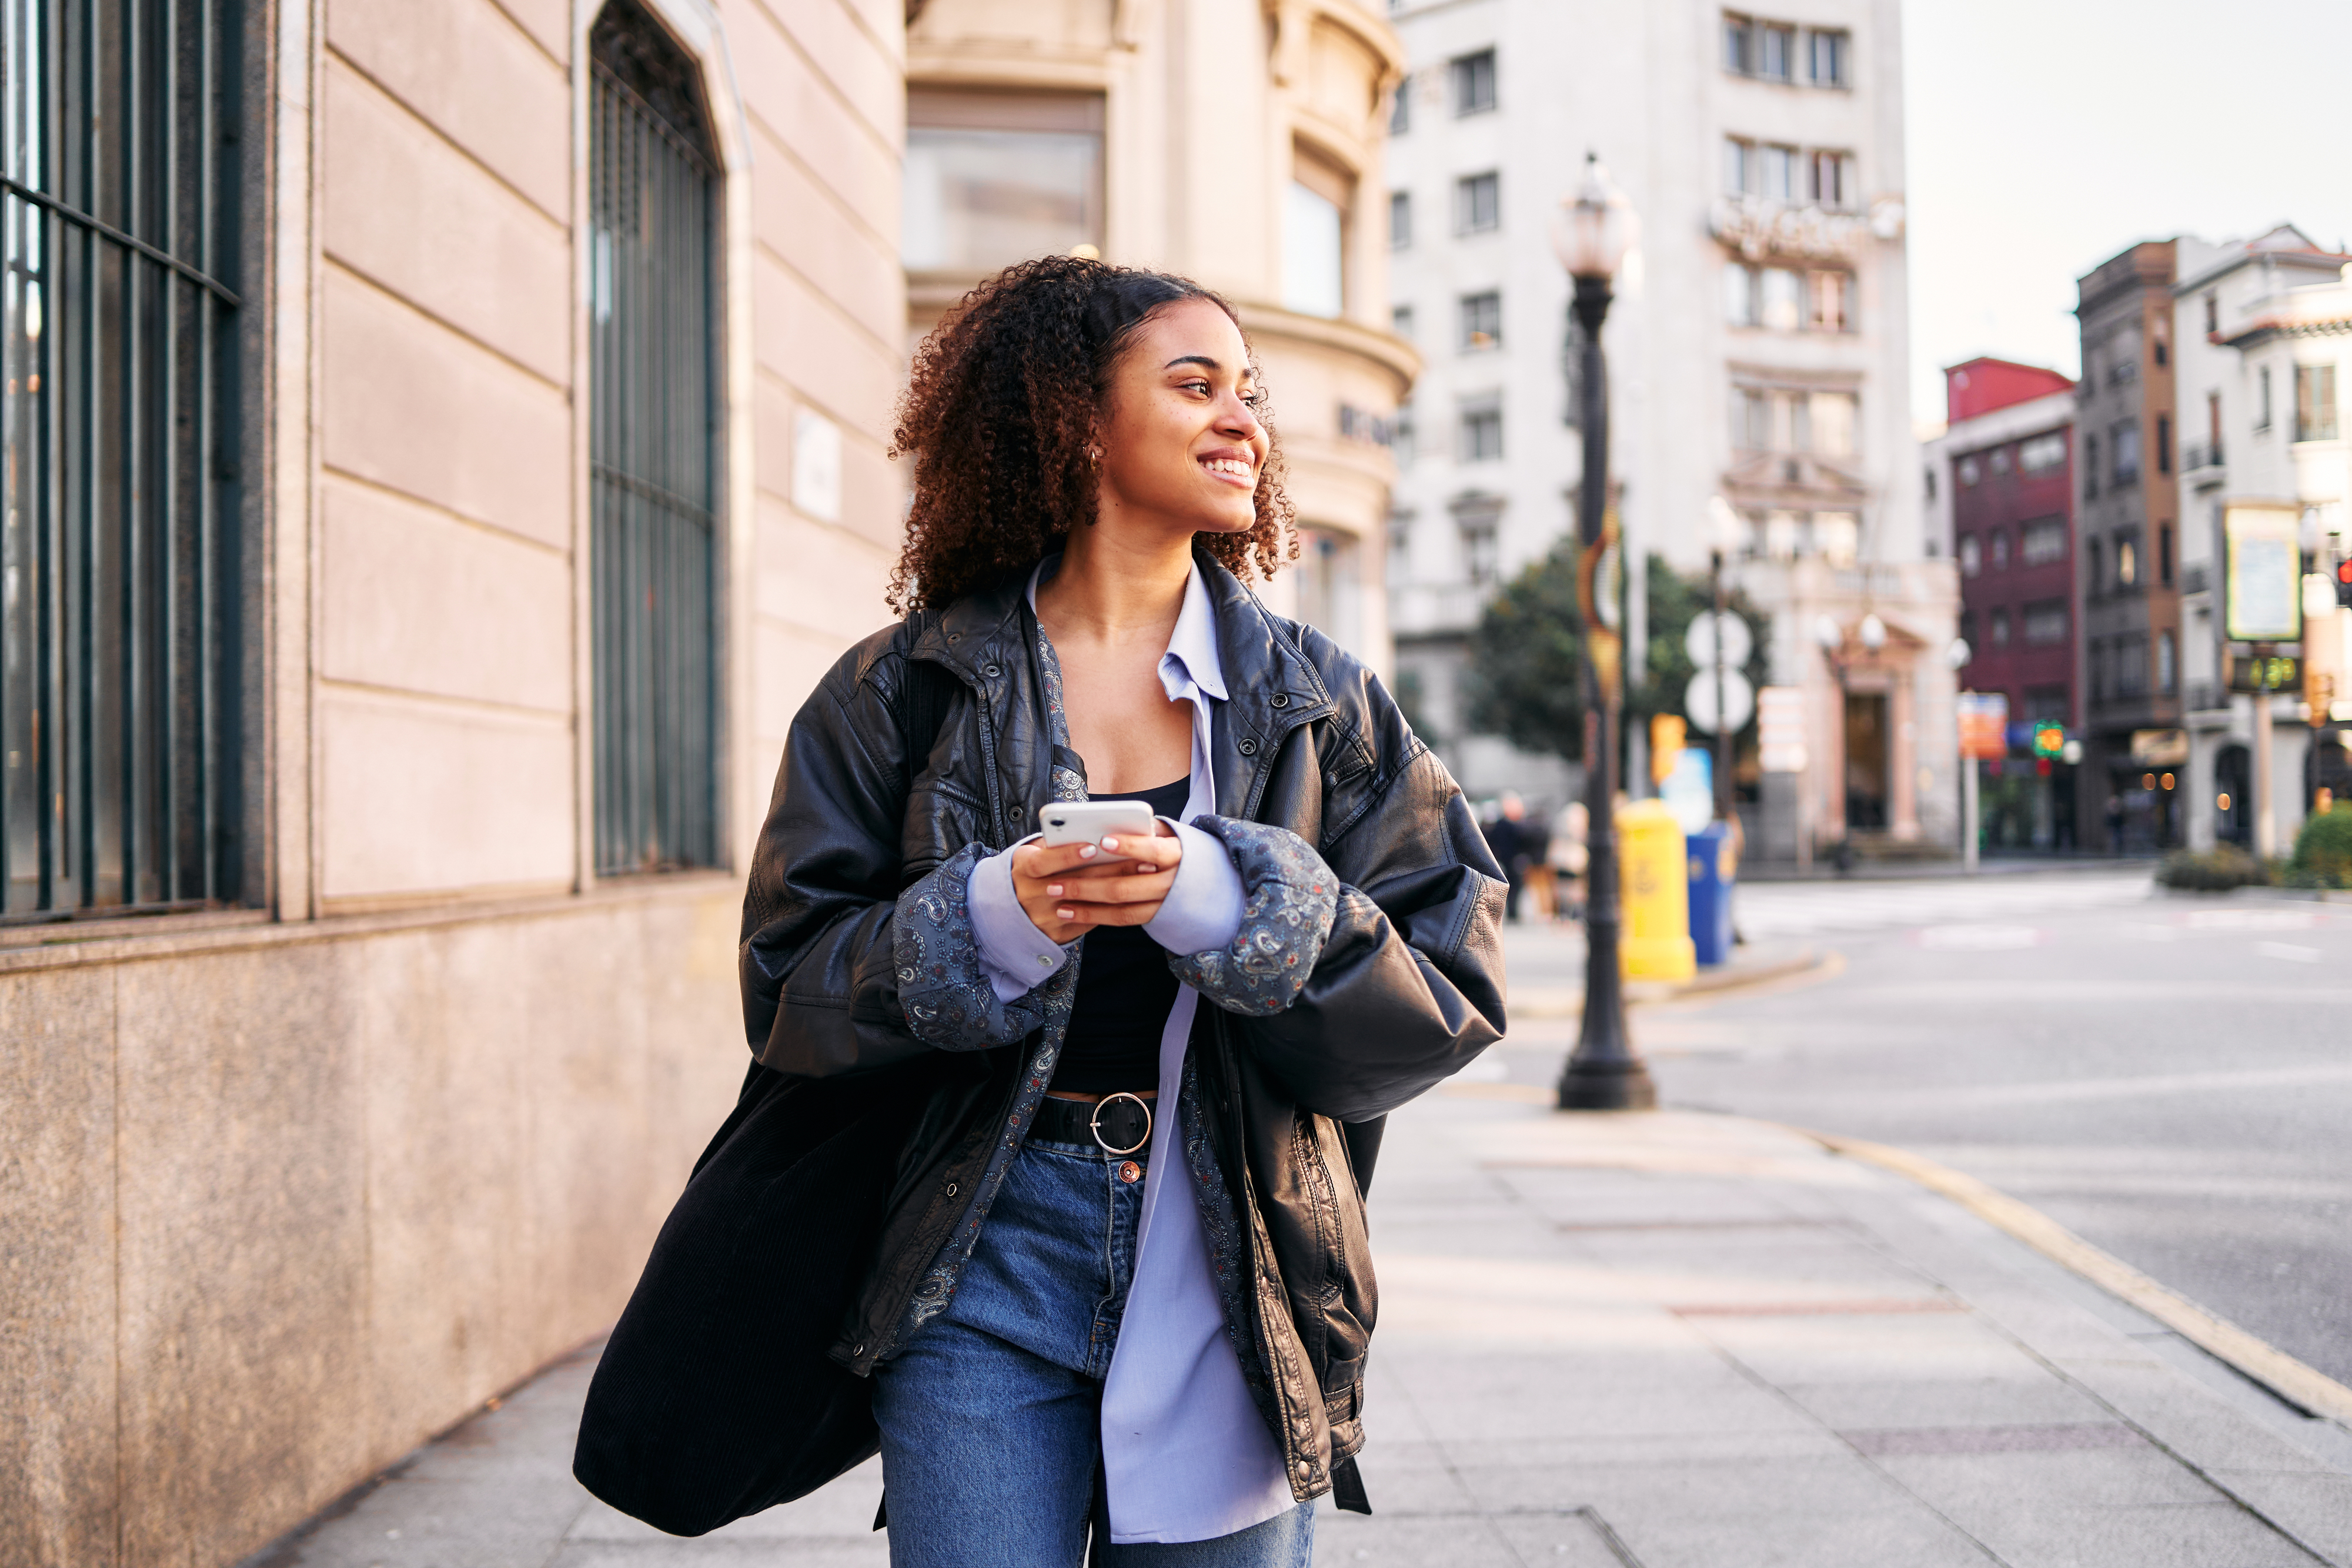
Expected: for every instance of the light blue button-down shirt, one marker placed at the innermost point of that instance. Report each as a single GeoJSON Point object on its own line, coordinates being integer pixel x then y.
{"type": "Point", "coordinates": [1186, 1456]}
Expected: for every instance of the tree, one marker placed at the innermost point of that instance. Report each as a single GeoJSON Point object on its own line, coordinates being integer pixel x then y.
{"type": "Point", "coordinates": [1523, 680]}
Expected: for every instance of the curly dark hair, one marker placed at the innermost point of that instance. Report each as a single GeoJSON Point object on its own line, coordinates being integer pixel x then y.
{"type": "Point", "coordinates": [1000, 410]}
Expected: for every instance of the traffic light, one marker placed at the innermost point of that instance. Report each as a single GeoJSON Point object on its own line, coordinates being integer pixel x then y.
{"type": "Point", "coordinates": [2344, 584]}
{"type": "Point", "coordinates": [2048, 740]}
{"type": "Point", "coordinates": [1667, 731]}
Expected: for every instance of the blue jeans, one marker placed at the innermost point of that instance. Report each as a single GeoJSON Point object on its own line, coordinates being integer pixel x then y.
{"type": "Point", "coordinates": [990, 1416]}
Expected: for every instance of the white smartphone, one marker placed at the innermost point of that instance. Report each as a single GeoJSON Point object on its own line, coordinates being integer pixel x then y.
{"type": "Point", "coordinates": [1090, 821]}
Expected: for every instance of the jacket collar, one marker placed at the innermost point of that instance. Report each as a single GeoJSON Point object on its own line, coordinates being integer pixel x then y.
{"type": "Point", "coordinates": [1270, 686]}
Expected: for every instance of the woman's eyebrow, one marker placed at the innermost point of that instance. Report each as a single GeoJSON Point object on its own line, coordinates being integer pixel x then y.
{"type": "Point", "coordinates": [1203, 359]}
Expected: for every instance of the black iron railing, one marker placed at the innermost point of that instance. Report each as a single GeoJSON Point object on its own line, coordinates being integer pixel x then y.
{"type": "Point", "coordinates": [652, 454]}
{"type": "Point", "coordinates": [117, 222]}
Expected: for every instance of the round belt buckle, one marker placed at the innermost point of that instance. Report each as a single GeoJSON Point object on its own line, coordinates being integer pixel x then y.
{"type": "Point", "coordinates": [1094, 1123]}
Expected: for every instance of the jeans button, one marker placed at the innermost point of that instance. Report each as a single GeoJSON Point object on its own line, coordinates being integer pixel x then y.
{"type": "Point", "coordinates": [1131, 1171]}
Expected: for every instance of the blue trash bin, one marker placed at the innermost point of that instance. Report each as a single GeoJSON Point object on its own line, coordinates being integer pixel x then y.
{"type": "Point", "coordinates": [1711, 875]}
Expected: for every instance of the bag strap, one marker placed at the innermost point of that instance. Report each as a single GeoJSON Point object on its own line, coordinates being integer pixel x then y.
{"type": "Point", "coordinates": [924, 692]}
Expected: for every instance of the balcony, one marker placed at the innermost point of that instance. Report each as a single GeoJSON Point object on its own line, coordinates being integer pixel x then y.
{"type": "Point", "coordinates": [2202, 465]}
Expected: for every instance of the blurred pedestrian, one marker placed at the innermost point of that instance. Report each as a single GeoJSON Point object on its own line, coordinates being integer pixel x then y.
{"type": "Point", "coordinates": [1569, 854]}
{"type": "Point", "coordinates": [1506, 835]}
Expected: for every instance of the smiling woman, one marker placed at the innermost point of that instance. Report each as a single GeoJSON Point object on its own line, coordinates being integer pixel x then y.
{"type": "Point", "coordinates": [1112, 1277]}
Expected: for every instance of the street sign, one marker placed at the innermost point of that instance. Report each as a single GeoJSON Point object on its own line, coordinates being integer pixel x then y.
{"type": "Point", "coordinates": [1699, 640]}
{"type": "Point", "coordinates": [1780, 729]}
{"type": "Point", "coordinates": [2160, 747]}
{"type": "Point", "coordinates": [1688, 791]}
{"type": "Point", "coordinates": [1739, 701]}
{"type": "Point", "coordinates": [2263, 601]}
{"type": "Point", "coordinates": [1984, 724]}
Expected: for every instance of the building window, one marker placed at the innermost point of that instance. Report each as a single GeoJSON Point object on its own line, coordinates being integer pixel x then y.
{"type": "Point", "coordinates": [1751, 420]}
{"type": "Point", "coordinates": [2127, 561]}
{"type": "Point", "coordinates": [1476, 520]}
{"type": "Point", "coordinates": [1400, 219]}
{"type": "Point", "coordinates": [1830, 180]}
{"type": "Point", "coordinates": [2163, 443]}
{"type": "Point", "coordinates": [1927, 480]}
{"type": "Point", "coordinates": [1400, 109]}
{"type": "Point", "coordinates": [1776, 51]}
{"type": "Point", "coordinates": [2263, 398]}
{"type": "Point", "coordinates": [1998, 457]}
{"type": "Point", "coordinates": [1478, 204]}
{"type": "Point", "coordinates": [118, 718]}
{"type": "Point", "coordinates": [1738, 156]}
{"type": "Point", "coordinates": [2126, 437]}
{"type": "Point", "coordinates": [2164, 554]}
{"type": "Point", "coordinates": [1740, 295]}
{"type": "Point", "coordinates": [1739, 44]}
{"type": "Point", "coordinates": [1971, 471]}
{"type": "Point", "coordinates": [2044, 621]}
{"type": "Point", "coordinates": [2315, 402]}
{"type": "Point", "coordinates": [1780, 297]}
{"type": "Point", "coordinates": [653, 456]}
{"type": "Point", "coordinates": [1314, 236]}
{"type": "Point", "coordinates": [995, 178]}
{"type": "Point", "coordinates": [1828, 56]}
{"type": "Point", "coordinates": [1837, 536]}
{"type": "Point", "coordinates": [2168, 663]}
{"type": "Point", "coordinates": [2095, 581]}
{"type": "Point", "coordinates": [1831, 419]}
{"type": "Point", "coordinates": [1829, 301]}
{"type": "Point", "coordinates": [1482, 429]}
{"type": "Point", "coordinates": [1778, 171]}
{"type": "Point", "coordinates": [2000, 628]}
{"type": "Point", "coordinates": [2213, 315]}
{"type": "Point", "coordinates": [2041, 541]}
{"type": "Point", "coordinates": [1401, 321]}
{"type": "Point", "coordinates": [1331, 584]}
{"type": "Point", "coordinates": [1473, 83]}
{"type": "Point", "coordinates": [1482, 321]}
{"type": "Point", "coordinates": [1998, 540]}
{"type": "Point", "coordinates": [1971, 555]}
{"type": "Point", "coordinates": [2090, 467]}
{"type": "Point", "coordinates": [1402, 447]}
{"type": "Point", "coordinates": [2041, 453]}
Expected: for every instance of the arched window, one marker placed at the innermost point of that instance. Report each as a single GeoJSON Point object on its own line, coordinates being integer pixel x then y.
{"type": "Point", "coordinates": [653, 454]}
{"type": "Point", "coordinates": [118, 321]}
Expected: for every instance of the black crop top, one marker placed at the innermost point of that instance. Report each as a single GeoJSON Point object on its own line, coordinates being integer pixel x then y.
{"type": "Point", "coordinates": [1124, 989]}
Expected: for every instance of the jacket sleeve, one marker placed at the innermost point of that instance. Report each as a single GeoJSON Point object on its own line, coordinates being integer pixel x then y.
{"type": "Point", "coordinates": [1405, 985]}
{"type": "Point", "coordinates": [823, 959]}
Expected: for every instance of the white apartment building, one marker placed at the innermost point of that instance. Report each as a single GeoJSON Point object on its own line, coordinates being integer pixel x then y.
{"type": "Point", "coordinates": [1757, 353]}
{"type": "Point", "coordinates": [2264, 335]}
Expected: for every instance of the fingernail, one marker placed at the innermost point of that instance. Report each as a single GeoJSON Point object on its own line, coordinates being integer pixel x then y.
{"type": "Point", "coordinates": [1066, 914]}
{"type": "Point", "coordinates": [1110, 843]}
{"type": "Point", "coordinates": [1086, 851]}
{"type": "Point", "coordinates": [1053, 890]}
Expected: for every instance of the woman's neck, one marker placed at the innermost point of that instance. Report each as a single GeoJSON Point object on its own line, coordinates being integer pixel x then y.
{"type": "Point", "coordinates": [1113, 586]}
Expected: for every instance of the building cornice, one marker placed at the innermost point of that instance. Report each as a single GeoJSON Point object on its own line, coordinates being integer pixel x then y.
{"type": "Point", "coordinates": [1271, 323]}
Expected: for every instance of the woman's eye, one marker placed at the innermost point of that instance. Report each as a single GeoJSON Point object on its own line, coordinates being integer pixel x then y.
{"type": "Point", "coordinates": [1201, 387]}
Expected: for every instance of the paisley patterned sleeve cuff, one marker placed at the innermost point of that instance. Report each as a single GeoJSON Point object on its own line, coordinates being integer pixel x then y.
{"type": "Point", "coordinates": [942, 986]}
{"type": "Point", "coordinates": [1289, 896]}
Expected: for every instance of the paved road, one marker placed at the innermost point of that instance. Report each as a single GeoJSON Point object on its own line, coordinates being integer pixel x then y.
{"type": "Point", "coordinates": [2169, 1077]}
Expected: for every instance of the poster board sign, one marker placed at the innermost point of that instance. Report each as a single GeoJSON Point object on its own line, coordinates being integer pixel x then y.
{"type": "Point", "coordinates": [1984, 724]}
{"type": "Point", "coordinates": [1780, 729]}
{"type": "Point", "coordinates": [2262, 556]}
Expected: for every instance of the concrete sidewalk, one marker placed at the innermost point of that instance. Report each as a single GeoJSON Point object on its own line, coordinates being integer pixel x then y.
{"type": "Point", "coordinates": [1673, 1340]}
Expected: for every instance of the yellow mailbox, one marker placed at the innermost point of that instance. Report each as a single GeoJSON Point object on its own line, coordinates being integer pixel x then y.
{"type": "Point", "coordinates": [1652, 883]}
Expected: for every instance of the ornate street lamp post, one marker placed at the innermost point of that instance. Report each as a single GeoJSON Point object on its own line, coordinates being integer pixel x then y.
{"type": "Point", "coordinates": [1604, 1074]}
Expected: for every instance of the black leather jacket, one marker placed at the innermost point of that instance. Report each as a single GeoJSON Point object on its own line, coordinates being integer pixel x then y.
{"type": "Point", "coordinates": [855, 899]}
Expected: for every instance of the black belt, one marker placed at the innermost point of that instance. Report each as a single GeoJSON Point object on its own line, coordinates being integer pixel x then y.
{"type": "Point", "coordinates": [1117, 1123]}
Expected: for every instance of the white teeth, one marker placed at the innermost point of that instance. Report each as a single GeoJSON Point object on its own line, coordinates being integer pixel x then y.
{"type": "Point", "coordinates": [1232, 465]}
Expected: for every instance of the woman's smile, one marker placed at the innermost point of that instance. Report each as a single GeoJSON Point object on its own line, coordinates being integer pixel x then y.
{"type": "Point", "coordinates": [1234, 467]}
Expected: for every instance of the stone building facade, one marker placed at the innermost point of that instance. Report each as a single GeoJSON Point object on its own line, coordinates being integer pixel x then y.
{"type": "Point", "coordinates": [359, 1017]}
{"type": "Point", "coordinates": [1758, 348]}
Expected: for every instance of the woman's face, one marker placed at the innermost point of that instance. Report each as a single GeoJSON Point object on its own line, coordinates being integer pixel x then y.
{"type": "Point", "coordinates": [1180, 438]}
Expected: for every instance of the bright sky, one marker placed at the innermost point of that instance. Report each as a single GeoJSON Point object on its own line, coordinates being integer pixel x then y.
{"type": "Point", "coordinates": [2046, 135]}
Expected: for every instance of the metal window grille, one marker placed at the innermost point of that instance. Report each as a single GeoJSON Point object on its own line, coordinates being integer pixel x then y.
{"type": "Point", "coordinates": [653, 454]}
{"type": "Point", "coordinates": [116, 502]}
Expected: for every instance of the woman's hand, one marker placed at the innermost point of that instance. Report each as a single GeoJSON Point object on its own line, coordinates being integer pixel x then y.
{"type": "Point", "coordinates": [1068, 889]}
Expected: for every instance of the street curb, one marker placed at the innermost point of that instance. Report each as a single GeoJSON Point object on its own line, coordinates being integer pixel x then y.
{"type": "Point", "coordinates": [2307, 1388]}
{"type": "Point", "coordinates": [1558, 1003]}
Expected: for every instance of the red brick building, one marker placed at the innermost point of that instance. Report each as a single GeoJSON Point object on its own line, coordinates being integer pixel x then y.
{"type": "Point", "coordinates": [2001, 486]}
